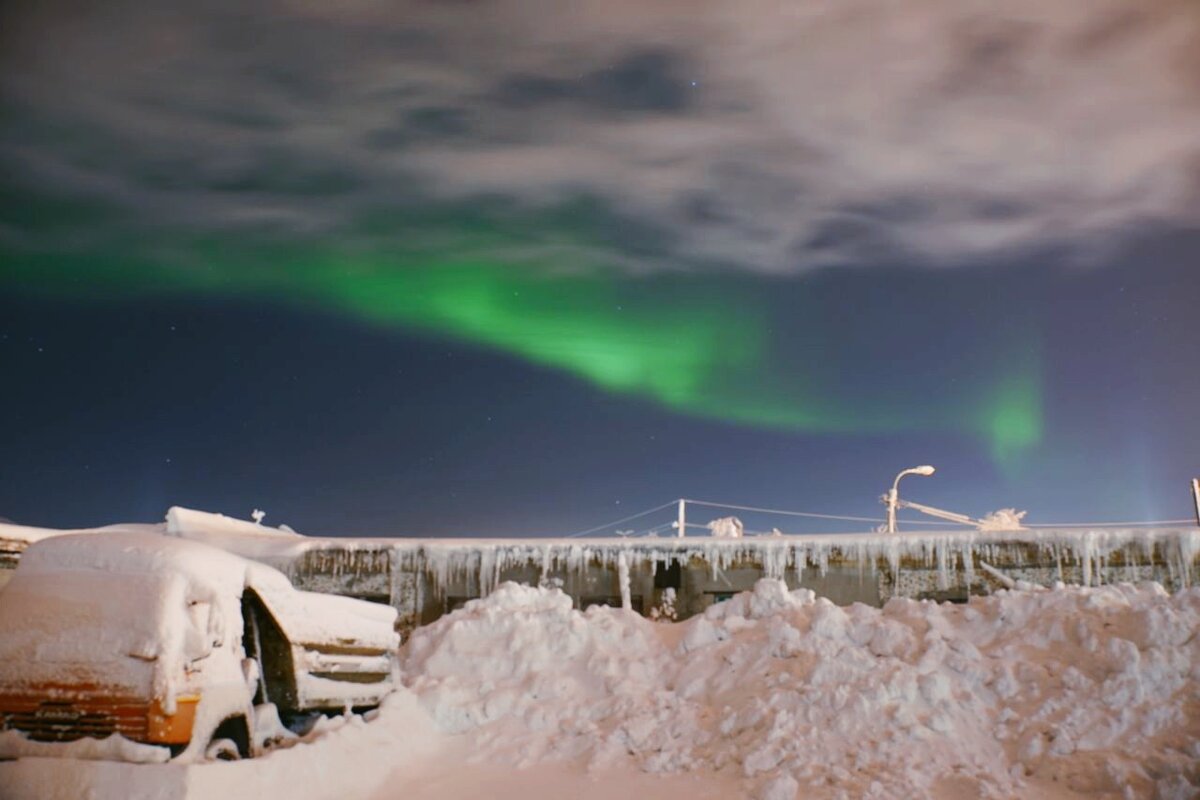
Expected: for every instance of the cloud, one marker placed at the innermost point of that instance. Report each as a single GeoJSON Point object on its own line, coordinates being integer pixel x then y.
{"type": "Point", "coordinates": [758, 135]}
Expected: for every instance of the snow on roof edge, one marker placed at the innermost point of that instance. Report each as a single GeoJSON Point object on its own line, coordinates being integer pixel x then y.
{"type": "Point", "coordinates": [29, 534]}
{"type": "Point", "coordinates": [191, 524]}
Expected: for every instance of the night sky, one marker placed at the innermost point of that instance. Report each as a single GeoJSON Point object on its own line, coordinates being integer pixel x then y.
{"type": "Point", "coordinates": [520, 268]}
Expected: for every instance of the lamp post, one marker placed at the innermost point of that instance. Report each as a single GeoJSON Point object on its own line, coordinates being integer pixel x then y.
{"type": "Point", "coordinates": [893, 496]}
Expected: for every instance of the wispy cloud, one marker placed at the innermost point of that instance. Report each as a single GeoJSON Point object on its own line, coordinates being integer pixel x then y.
{"type": "Point", "coordinates": [758, 135]}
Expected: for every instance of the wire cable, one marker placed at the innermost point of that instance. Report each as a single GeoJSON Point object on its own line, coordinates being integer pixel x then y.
{"type": "Point", "coordinates": [846, 518]}
{"type": "Point", "coordinates": [623, 519]}
{"type": "Point", "coordinates": [807, 514]}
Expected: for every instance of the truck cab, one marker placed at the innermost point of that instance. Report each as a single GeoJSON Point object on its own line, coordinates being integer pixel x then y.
{"type": "Point", "coordinates": [174, 644]}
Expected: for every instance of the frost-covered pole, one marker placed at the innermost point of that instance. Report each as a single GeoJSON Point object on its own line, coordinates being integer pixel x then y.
{"type": "Point", "coordinates": [1196, 497]}
{"type": "Point", "coordinates": [891, 499]}
{"type": "Point", "coordinates": [682, 521]}
{"type": "Point", "coordinates": [894, 495]}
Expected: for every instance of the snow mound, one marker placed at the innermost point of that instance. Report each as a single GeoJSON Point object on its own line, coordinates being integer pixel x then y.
{"type": "Point", "coordinates": [523, 656]}
{"type": "Point", "coordinates": [1092, 691]}
{"type": "Point", "coordinates": [114, 748]}
{"type": "Point", "coordinates": [349, 756]}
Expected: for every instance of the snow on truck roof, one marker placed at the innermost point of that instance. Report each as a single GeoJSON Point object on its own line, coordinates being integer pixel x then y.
{"type": "Point", "coordinates": [307, 617]}
{"type": "Point", "coordinates": [201, 526]}
{"type": "Point", "coordinates": [29, 533]}
{"type": "Point", "coordinates": [133, 553]}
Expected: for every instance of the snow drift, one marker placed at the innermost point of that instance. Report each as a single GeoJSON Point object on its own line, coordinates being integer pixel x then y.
{"type": "Point", "coordinates": [1025, 693]}
{"type": "Point", "coordinates": [1029, 693]}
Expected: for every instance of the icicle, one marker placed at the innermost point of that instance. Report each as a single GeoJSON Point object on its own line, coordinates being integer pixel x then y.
{"type": "Point", "coordinates": [968, 562]}
{"type": "Point", "coordinates": [1188, 548]}
{"type": "Point", "coordinates": [1092, 557]}
{"type": "Point", "coordinates": [799, 561]}
{"type": "Point", "coordinates": [892, 550]}
{"type": "Point", "coordinates": [1088, 548]}
{"type": "Point", "coordinates": [943, 565]}
{"type": "Point", "coordinates": [623, 578]}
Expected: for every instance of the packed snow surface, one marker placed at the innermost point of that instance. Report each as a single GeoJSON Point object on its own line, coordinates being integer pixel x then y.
{"type": "Point", "coordinates": [1061, 693]}
{"type": "Point", "coordinates": [343, 758]}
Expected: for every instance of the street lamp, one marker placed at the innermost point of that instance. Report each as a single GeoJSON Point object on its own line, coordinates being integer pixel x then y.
{"type": "Point", "coordinates": [893, 497]}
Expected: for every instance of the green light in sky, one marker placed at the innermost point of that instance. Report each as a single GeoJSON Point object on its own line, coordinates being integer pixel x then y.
{"type": "Point", "coordinates": [1013, 419]}
{"type": "Point", "coordinates": [703, 346]}
{"type": "Point", "coordinates": [582, 324]}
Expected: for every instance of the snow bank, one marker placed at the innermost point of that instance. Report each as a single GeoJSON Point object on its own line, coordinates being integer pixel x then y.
{"type": "Point", "coordinates": [346, 757]}
{"type": "Point", "coordinates": [1083, 690]}
{"type": "Point", "coordinates": [1034, 693]}
{"type": "Point", "coordinates": [110, 748]}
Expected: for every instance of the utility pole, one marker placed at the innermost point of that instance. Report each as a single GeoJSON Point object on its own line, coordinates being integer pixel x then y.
{"type": "Point", "coordinates": [1196, 497]}
{"type": "Point", "coordinates": [682, 521]}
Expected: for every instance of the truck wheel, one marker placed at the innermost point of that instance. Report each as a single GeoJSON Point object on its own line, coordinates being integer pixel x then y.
{"type": "Point", "coordinates": [222, 750]}
{"type": "Point", "coordinates": [230, 741]}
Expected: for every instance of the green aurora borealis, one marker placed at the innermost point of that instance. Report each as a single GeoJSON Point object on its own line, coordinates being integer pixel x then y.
{"type": "Point", "coordinates": [771, 353]}
{"type": "Point", "coordinates": [525, 269]}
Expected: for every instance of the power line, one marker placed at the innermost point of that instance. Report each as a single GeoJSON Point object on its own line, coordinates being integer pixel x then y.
{"type": "Point", "coordinates": [939, 522]}
{"type": "Point", "coordinates": [846, 518]}
{"type": "Point", "coordinates": [623, 519]}
{"type": "Point", "coordinates": [807, 514]}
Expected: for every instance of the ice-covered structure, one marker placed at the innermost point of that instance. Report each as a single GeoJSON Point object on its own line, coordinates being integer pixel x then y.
{"type": "Point", "coordinates": [425, 578]}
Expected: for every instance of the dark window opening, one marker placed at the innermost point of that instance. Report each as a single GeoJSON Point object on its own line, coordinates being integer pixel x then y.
{"type": "Point", "coordinates": [382, 599]}
{"type": "Point", "coordinates": [949, 596]}
{"type": "Point", "coordinates": [455, 602]}
{"type": "Point", "coordinates": [668, 576]}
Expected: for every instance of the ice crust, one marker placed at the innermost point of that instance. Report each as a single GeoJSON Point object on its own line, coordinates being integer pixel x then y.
{"type": "Point", "coordinates": [1093, 690]}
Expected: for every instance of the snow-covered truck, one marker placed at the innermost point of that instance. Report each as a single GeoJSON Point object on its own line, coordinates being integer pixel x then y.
{"type": "Point", "coordinates": [175, 643]}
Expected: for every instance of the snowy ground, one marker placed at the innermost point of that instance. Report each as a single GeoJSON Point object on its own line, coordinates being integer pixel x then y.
{"type": "Point", "coordinates": [1036, 694]}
